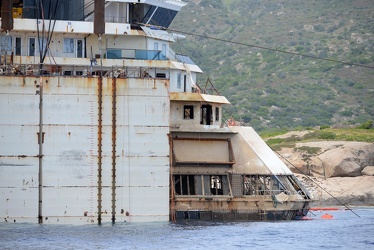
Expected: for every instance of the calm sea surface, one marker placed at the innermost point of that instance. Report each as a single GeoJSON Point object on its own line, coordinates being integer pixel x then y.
{"type": "Point", "coordinates": [344, 231]}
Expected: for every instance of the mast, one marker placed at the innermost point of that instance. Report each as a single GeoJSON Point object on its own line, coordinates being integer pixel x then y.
{"type": "Point", "coordinates": [99, 30]}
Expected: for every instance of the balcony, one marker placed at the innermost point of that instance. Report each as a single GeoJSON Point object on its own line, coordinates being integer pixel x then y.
{"type": "Point", "coordinates": [137, 54]}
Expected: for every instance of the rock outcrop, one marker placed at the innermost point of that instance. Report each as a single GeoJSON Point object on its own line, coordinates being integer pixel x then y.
{"type": "Point", "coordinates": [332, 158]}
{"type": "Point", "coordinates": [335, 172]}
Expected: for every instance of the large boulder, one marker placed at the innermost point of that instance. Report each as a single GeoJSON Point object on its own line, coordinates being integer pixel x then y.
{"type": "Point", "coordinates": [337, 172]}
{"type": "Point", "coordinates": [332, 159]}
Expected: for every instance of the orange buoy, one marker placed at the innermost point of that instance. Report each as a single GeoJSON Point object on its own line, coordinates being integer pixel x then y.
{"type": "Point", "coordinates": [327, 216]}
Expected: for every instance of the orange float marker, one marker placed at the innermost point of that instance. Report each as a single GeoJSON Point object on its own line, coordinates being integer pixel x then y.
{"type": "Point", "coordinates": [327, 216]}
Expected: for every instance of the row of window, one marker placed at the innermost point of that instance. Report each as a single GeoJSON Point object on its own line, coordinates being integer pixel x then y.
{"type": "Point", "coordinates": [206, 114]}
{"type": "Point", "coordinates": [220, 185]}
{"type": "Point", "coordinates": [201, 185]}
{"type": "Point", "coordinates": [70, 45]}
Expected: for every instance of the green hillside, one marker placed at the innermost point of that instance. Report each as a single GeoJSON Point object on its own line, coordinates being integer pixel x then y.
{"type": "Point", "coordinates": [269, 89]}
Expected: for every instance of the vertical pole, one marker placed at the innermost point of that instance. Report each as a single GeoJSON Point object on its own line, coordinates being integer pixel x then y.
{"type": "Point", "coordinates": [99, 148]}
{"type": "Point", "coordinates": [40, 174]}
{"type": "Point", "coordinates": [114, 133]}
{"type": "Point", "coordinates": [172, 187]}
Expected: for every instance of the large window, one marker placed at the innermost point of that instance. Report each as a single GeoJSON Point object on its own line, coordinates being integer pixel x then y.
{"type": "Point", "coordinates": [72, 10]}
{"type": "Point", "coordinates": [68, 45]}
{"type": "Point", "coordinates": [159, 16]}
{"type": "Point", "coordinates": [206, 115]}
{"type": "Point", "coordinates": [35, 47]}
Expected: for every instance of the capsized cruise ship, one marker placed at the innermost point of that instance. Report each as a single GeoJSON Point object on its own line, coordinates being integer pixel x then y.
{"type": "Point", "coordinates": [101, 121]}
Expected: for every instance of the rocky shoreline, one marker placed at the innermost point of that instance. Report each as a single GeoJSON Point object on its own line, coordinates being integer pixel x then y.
{"type": "Point", "coordinates": [340, 191]}
{"type": "Point", "coordinates": [336, 173]}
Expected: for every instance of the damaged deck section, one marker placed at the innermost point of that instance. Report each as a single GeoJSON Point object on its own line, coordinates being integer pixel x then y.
{"type": "Point", "coordinates": [231, 176]}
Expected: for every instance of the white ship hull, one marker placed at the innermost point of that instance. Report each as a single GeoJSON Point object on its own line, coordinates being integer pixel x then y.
{"type": "Point", "coordinates": [70, 149]}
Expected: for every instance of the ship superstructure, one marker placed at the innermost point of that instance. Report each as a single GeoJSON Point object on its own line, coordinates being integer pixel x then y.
{"type": "Point", "coordinates": [102, 122]}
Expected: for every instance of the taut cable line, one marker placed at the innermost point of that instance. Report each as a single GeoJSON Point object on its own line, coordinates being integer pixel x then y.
{"type": "Point", "coordinates": [261, 47]}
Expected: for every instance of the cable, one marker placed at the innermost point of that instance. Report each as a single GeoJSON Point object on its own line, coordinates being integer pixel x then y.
{"type": "Point", "coordinates": [263, 48]}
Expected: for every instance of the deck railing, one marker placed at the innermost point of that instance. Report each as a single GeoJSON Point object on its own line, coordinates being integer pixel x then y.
{"type": "Point", "coordinates": [85, 71]}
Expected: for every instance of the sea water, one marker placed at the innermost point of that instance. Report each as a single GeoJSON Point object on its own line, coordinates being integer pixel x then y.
{"type": "Point", "coordinates": [345, 230]}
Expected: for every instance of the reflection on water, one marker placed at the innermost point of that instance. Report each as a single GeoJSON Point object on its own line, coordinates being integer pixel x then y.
{"type": "Point", "coordinates": [344, 231]}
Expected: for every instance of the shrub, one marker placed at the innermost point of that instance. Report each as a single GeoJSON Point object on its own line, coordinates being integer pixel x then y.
{"type": "Point", "coordinates": [275, 141]}
{"type": "Point", "coordinates": [324, 127]}
{"type": "Point", "coordinates": [366, 125]}
{"type": "Point", "coordinates": [325, 135]}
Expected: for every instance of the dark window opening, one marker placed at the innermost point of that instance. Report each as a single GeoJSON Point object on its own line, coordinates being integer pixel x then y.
{"type": "Point", "coordinates": [184, 184]}
{"type": "Point", "coordinates": [185, 83]}
{"type": "Point", "coordinates": [216, 185]}
{"type": "Point", "coordinates": [80, 48]}
{"type": "Point", "coordinates": [217, 114]}
{"type": "Point", "coordinates": [206, 115]}
{"type": "Point", "coordinates": [250, 185]}
{"type": "Point", "coordinates": [31, 46]}
{"type": "Point", "coordinates": [18, 46]}
{"type": "Point", "coordinates": [188, 112]}
{"type": "Point", "coordinates": [160, 75]}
